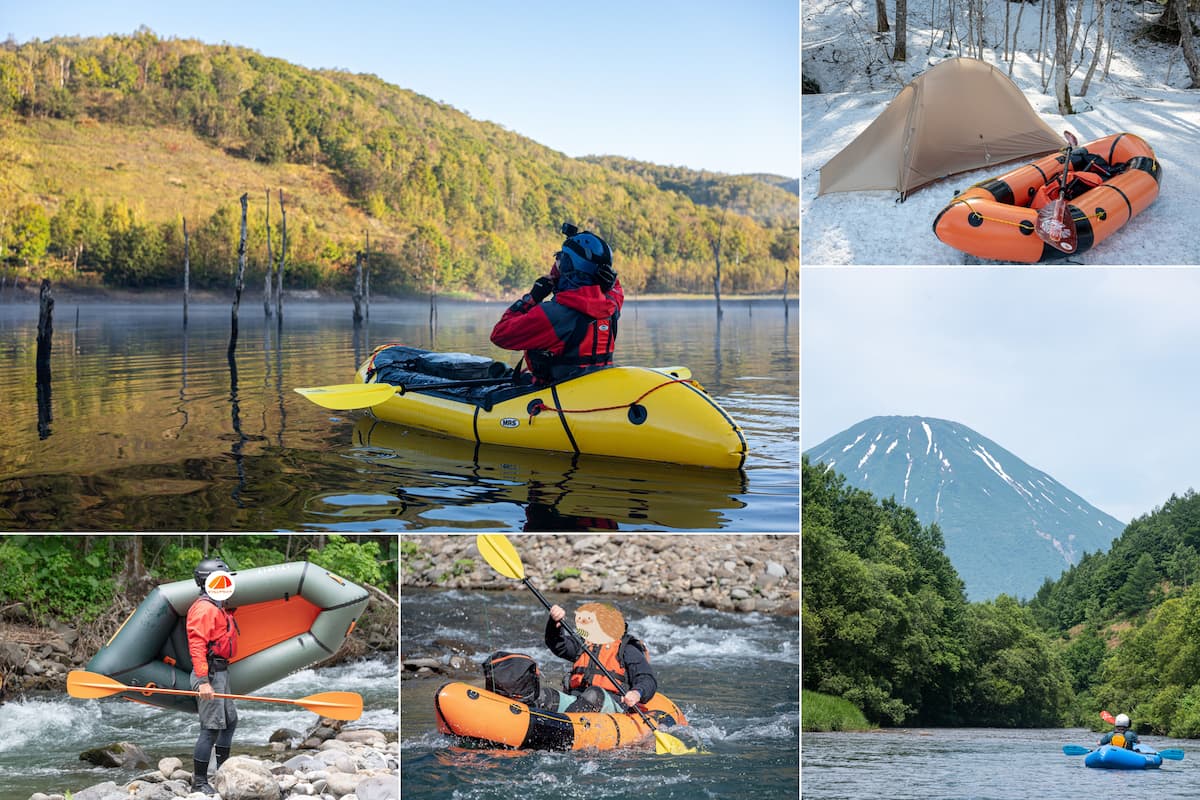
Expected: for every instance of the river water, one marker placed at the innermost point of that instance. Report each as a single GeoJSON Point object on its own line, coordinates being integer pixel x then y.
{"type": "Point", "coordinates": [981, 764]}
{"type": "Point", "coordinates": [736, 677]}
{"type": "Point", "coordinates": [150, 426]}
{"type": "Point", "coordinates": [41, 738]}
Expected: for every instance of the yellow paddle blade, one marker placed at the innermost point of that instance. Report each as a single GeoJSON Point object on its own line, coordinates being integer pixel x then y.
{"type": "Point", "coordinates": [498, 551]}
{"type": "Point", "coordinates": [88, 685]}
{"type": "Point", "coordinates": [335, 705]}
{"type": "Point", "coordinates": [345, 396]}
{"type": "Point", "coordinates": [665, 743]}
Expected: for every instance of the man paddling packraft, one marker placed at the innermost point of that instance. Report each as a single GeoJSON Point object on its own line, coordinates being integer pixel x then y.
{"type": "Point", "coordinates": [576, 331]}
{"type": "Point", "coordinates": [603, 628]}
{"type": "Point", "coordinates": [212, 641]}
{"type": "Point", "coordinates": [1120, 735]}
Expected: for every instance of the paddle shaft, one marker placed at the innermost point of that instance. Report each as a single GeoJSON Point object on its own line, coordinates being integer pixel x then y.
{"type": "Point", "coordinates": [337, 705]}
{"type": "Point", "coordinates": [188, 693]}
{"type": "Point", "coordinates": [593, 656]}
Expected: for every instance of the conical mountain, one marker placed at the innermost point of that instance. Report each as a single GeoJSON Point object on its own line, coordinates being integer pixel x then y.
{"type": "Point", "coordinates": [1007, 525]}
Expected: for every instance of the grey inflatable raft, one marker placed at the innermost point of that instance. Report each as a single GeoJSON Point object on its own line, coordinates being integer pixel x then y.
{"type": "Point", "coordinates": [290, 616]}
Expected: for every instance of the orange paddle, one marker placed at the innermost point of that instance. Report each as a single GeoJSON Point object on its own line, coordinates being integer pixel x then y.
{"type": "Point", "coordinates": [335, 705]}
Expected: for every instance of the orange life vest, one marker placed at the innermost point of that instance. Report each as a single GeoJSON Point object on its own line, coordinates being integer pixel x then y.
{"type": "Point", "coordinates": [212, 632]}
{"type": "Point", "coordinates": [585, 673]}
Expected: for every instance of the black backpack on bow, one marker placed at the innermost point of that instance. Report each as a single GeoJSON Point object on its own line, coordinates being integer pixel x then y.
{"type": "Point", "coordinates": [513, 675]}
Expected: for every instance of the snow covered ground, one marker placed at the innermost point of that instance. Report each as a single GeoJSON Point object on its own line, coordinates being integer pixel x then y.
{"type": "Point", "coordinates": [1142, 94]}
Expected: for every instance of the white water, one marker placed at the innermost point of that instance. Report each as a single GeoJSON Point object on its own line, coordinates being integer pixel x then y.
{"type": "Point", "coordinates": [41, 738]}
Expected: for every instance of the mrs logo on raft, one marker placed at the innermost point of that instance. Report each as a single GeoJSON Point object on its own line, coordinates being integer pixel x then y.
{"type": "Point", "coordinates": [510, 422]}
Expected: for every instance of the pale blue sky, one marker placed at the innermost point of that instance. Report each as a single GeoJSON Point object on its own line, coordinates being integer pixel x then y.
{"type": "Point", "coordinates": [699, 83]}
{"type": "Point", "coordinates": [1089, 374]}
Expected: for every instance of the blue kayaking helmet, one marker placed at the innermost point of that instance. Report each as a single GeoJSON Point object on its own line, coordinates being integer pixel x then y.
{"type": "Point", "coordinates": [582, 254]}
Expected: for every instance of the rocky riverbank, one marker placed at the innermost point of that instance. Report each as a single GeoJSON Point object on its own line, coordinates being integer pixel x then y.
{"type": "Point", "coordinates": [722, 571]}
{"type": "Point", "coordinates": [327, 763]}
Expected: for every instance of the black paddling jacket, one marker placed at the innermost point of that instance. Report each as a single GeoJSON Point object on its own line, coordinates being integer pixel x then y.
{"type": "Point", "coordinates": [638, 674]}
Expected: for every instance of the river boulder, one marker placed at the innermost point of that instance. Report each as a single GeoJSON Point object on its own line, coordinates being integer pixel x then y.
{"type": "Point", "coordinates": [118, 754]}
{"type": "Point", "coordinates": [169, 765]}
{"type": "Point", "coordinates": [378, 787]}
{"type": "Point", "coordinates": [243, 778]}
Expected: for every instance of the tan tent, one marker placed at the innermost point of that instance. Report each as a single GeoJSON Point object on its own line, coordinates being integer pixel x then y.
{"type": "Point", "coordinates": [960, 115]}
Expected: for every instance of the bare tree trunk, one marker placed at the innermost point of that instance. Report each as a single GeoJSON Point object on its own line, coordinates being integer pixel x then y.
{"type": "Point", "coordinates": [358, 288]}
{"type": "Point", "coordinates": [1012, 53]}
{"type": "Point", "coordinates": [187, 269]}
{"type": "Point", "coordinates": [901, 52]}
{"type": "Point", "coordinates": [45, 332]}
{"type": "Point", "coordinates": [1062, 92]}
{"type": "Point", "coordinates": [240, 282]}
{"type": "Point", "coordinates": [1087, 79]}
{"type": "Point", "coordinates": [881, 23]}
{"type": "Point", "coordinates": [716, 247]}
{"type": "Point", "coordinates": [1185, 42]}
{"type": "Point", "coordinates": [1113, 16]}
{"type": "Point", "coordinates": [367, 276]}
{"type": "Point", "coordinates": [1041, 46]}
{"type": "Point", "coordinates": [270, 263]}
{"type": "Point", "coordinates": [282, 260]}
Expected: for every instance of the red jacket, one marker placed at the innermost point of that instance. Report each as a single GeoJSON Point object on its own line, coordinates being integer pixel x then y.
{"type": "Point", "coordinates": [210, 629]}
{"type": "Point", "coordinates": [572, 333]}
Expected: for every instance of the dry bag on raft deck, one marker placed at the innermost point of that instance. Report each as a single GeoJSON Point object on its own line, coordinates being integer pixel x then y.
{"type": "Point", "coordinates": [513, 675]}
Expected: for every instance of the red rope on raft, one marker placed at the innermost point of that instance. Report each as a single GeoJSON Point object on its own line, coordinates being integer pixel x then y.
{"type": "Point", "coordinates": [540, 406]}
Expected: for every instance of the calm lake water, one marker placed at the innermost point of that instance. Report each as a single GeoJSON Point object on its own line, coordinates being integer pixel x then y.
{"type": "Point", "coordinates": [736, 677]}
{"type": "Point", "coordinates": [42, 738]}
{"type": "Point", "coordinates": [981, 764]}
{"type": "Point", "coordinates": [148, 425]}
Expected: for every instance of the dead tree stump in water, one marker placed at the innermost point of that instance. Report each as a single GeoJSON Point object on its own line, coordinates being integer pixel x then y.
{"type": "Point", "coordinates": [45, 331]}
{"type": "Point", "coordinates": [187, 269]}
{"type": "Point", "coordinates": [270, 263]}
{"type": "Point", "coordinates": [358, 288]}
{"type": "Point", "coordinates": [241, 276]}
{"type": "Point", "coordinates": [282, 258]}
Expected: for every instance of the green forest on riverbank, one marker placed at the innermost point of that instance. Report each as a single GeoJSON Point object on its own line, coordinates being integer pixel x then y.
{"type": "Point", "coordinates": [79, 578]}
{"type": "Point", "coordinates": [108, 144]}
{"type": "Point", "coordinates": [886, 624]}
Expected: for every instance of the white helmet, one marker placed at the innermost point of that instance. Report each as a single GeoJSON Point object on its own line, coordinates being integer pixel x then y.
{"type": "Point", "coordinates": [1122, 721]}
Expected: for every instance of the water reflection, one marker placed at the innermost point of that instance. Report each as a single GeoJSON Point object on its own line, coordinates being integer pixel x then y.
{"type": "Point", "coordinates": [155, 429]}
{"type": "Point", "coordinates": [434, 476]}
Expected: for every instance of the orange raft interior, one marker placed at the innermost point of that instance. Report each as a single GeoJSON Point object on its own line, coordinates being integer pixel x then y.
{"type": "Point", "coordinates": [1111, 180]}
{"type": "Point", "coordinates": [482, 717]}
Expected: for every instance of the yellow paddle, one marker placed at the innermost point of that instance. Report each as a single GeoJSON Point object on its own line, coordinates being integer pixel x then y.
{"type": "Point", "coordinates": [498, 551]}
{"type": "Point", "coordinates": [335, 705]}
{"type": "Point", "coordinates": [343, 396]}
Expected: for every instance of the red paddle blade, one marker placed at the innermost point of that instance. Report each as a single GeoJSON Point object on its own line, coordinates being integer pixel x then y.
{"type": "Point", "coordinates": [1055, 227]}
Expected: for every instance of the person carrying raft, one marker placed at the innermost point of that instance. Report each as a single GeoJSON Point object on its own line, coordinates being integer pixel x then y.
{"type": "Point", "coordinates": [603, 628]}
{"type": "Point", "coordinates": [1120, 735]}
{"type": "Point", "coordinates": [576, 331]}
{"type": "Point", "coordinates": [212, 641]}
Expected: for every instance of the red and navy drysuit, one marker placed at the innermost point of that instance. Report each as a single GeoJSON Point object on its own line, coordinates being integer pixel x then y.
{"type": "Point", "coordinates": [568, 335]}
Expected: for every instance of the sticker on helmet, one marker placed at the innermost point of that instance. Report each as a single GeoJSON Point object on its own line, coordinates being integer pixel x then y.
{"type": "Point", "coordinates": [219, 585]}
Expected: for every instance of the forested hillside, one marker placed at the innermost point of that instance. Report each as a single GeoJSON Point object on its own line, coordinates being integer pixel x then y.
{"type": "Point", "coordinates": [449, 203]}
{"type": "Point", "coordinates": [886, 624]}
{"type": "Point", "coordinates": [1129, 621]}
{"type": "Point", "coordinates": [771, 199]}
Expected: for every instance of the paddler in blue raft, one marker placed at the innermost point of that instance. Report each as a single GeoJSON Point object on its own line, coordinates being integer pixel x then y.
{"type": "Point", "coordinates": [1120, 735]}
